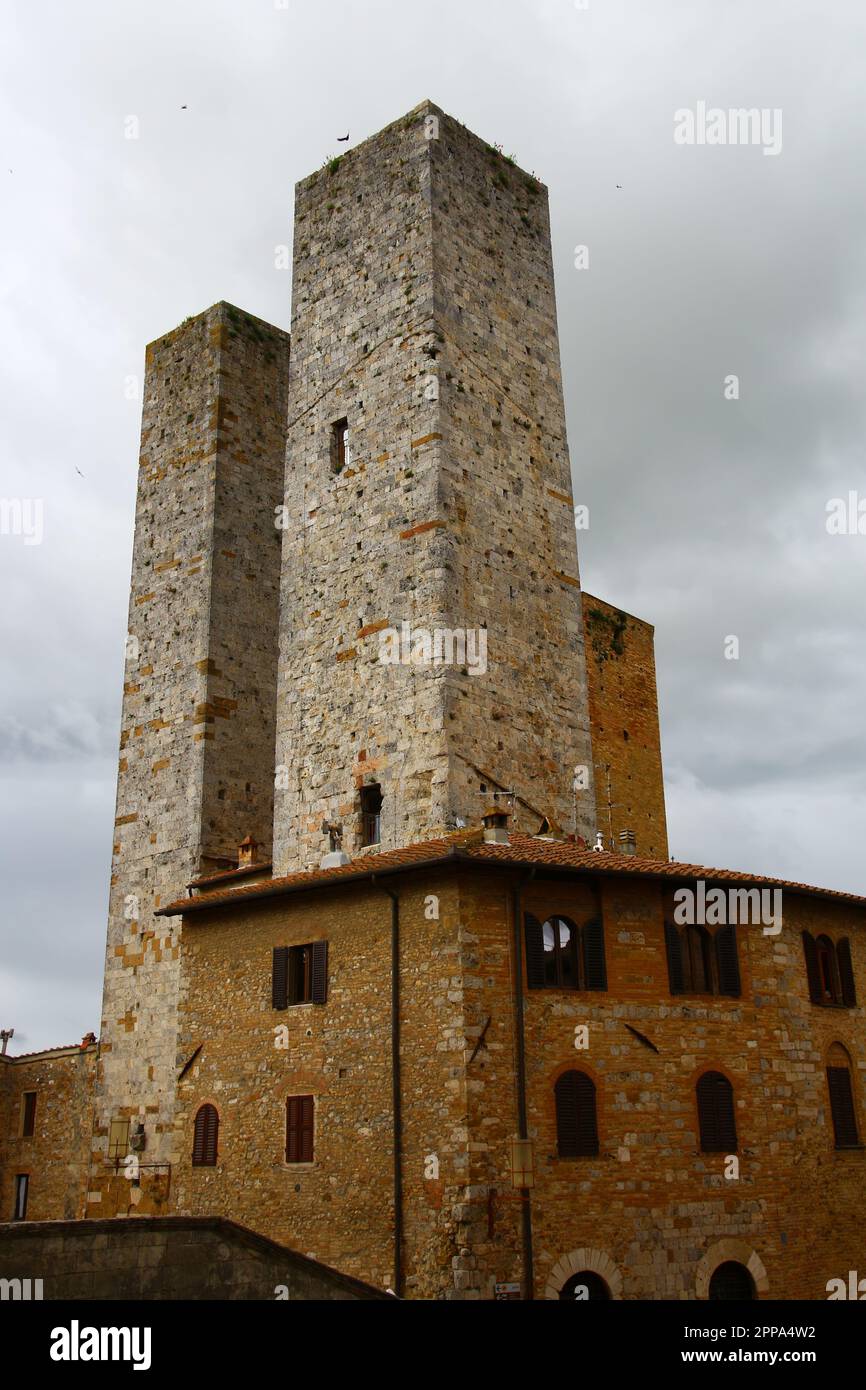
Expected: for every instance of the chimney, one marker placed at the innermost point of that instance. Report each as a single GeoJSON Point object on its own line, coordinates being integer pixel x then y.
{"type": "Point", "coordinates": [495, 822]}
{"type": "Point", "coordinates": [247, 852]}
{"type": "Point", "coordinates": [336, 856]}
{"type": "Point", "coordinates": [627, 842]}
{"type": "Point", "coordinates": [598, 847]}
{"type": "Point", "coordinates": [88, 1040]}
{"type": "Point", "coordinates": [5, 1035]}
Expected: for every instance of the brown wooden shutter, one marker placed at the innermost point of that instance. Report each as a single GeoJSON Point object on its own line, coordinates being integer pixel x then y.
{"type": "Point", "coordinates": [846, 972]}
{"type": "Point", "coordinates": [300, 1116]}
{"type": "Point", "coordinates": [534, 952]}
{"type": "Point", "coordinates": [280, 978]}
{"type": "Point", "coordinates": [595, 970]}
{"type": "Point", "coordinates": [576, 1123]}
{"type": "Point", "coordinates": [715, 1096]}
{"type": "Point", "coordinates": [727, 961]}
{"type": "Point", "coordinates": [674, 945]}
{"type": "Point", "coordinates": [205, 1136]}
{"type": "Point", "coordinates": [320, 972]}
{"type": "Point", "coordinates": [306, 1138]}
{"type": "Point", "coordinates": [813, 974]}
{"type": "Point", "coordinates": [842, 1107]}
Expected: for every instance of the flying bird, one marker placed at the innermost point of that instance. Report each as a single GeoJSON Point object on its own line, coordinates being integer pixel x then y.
{"type": "Point", "coordinates": [183, 108]}
{"type": "Point", "coordinates": [79, 472]}
{"type": "Point", "coordinates": [343, 138]}
{"type": "Point", "coordinates": [619, 185]}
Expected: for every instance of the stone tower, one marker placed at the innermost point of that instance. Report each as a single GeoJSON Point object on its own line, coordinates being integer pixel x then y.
{"type": "Point", "coordinates": [197, 738]}
{"type": "Point", "coordinates": [428, 492]}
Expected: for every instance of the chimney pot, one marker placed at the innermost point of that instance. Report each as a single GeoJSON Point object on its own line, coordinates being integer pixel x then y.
{"type": "Point", "coordinates": [495, 821]}
{"type": "Point", "coordinates": [627, 842]}
{"type": "Point", "coordinates": [247, 852]}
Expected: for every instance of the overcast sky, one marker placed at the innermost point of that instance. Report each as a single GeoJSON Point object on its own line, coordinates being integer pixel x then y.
{"type": "Point", "coordinates": [708, 516]}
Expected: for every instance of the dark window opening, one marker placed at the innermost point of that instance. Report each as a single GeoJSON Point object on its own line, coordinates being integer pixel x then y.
{"type": "Point", "coordinates": [732, 1281]}
{"type": "Point", "coordinates": [371, 815]}
{"type": "Point", "coordinates": [299, 975]}
{"type": "Point", "coordinates": [829, 971]}
{"type": "Point", "coordinates": [700, 962]}
{"type": "Point", "coordinates": [340, 451]}
{"type": "Point", "coordinates": [561, 955]}
{"type": "Point", "coordinates": [585, 1286]}
{"type": "Point", "coordinates": [205, 1137]}
{"type": "Point", "coordinates": [28, 1114]}
{"type": "Point", "coordinates": [576, 1122]}
{"type": "Point", "coordinates": [299, 1129]}
{"type": "Point", "coordinates": [22, 1189]}
{"type": "Point", "coordinates": [718, 1125]}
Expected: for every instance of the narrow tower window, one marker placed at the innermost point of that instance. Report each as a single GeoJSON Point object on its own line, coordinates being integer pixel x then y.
{"type": "Point", "coordinates": [371, 815]}
{"type": "Point", "coordinates": [340, 452]}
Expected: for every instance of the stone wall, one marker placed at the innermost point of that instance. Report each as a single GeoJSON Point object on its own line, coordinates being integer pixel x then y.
{"type": "Point", "coordinates": [165, 1258]}
{"type": "Point", "coordinates": [624, 717]}
{"type": "Point", "coordinates": [196, 757]}
{"type": "Point", "coordinates": [424, 315]}
{"type": "Point", "coordinates": [57, 1156]}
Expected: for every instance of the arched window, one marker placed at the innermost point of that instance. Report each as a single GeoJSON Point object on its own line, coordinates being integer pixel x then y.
{"type": "Point", "coordinates": [561, 955]}
{"type": "Point", "coordinates": [204, 1144]}
{"type": "Point", "coordinates": [829, 971]}
{"type": "Point", "coordinates": [718, 1126]}
{"type": "Point", "coordinates": [842, 1109]}
{"type": "Point", "coordinates": [732, 1281]}
{"type": "Point", "coordinates": [584, 1287]}
{"type": "Point", "coordinates": [576, 1123]}
{"type": "Point", "coordinates": [701, 962]}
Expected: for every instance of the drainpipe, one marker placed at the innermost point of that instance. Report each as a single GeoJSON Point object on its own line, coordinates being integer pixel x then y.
{"type": "Point", "coordinates": [525, 1208]}
{"type": "Point", "coordinates": [396, 1102]}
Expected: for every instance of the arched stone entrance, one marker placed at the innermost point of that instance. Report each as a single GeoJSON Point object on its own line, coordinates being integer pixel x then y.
{"type": "Point", "coordinates": [596, 1262]}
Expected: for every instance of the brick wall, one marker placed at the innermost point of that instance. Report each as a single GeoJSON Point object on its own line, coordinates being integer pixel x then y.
{"type": "Point", "coordinates": [56, 1157]}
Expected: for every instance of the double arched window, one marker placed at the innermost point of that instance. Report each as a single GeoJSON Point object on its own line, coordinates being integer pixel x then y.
{"type": "Point", "coordinates": [205, 1137]}
{"type": "Point", "coordinates": [561, 955]}
{"type": "Point", "coordinates": [576, 1122]}
{"type": "Point", "coordinates": [718, 1126]}
{"type": "Point", "coordinates": [829, 970]}
{"type": "Point", "coordinates": [700, 962]}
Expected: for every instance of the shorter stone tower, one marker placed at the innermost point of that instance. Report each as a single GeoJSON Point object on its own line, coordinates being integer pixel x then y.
{"type": "Point", "coordinates": [197, 735]}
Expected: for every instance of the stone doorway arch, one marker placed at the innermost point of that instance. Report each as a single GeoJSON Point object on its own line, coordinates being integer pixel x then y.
{"type": "Point", "coordinates": [596, 1261]}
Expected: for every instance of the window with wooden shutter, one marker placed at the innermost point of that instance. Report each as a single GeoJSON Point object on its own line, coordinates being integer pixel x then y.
{"type": "Point", "coordinates": [319, 972]}
{"type": "Point", "coordinates": [534, 952]}
{"type": "Point", "coordinates": [727, 962]}
{"type": "Point", "coordinates": [828, 974]}
{"type": "Point", "coordinates": [718, 1126]}
{"type": "Point", "coordinates": [811, 954]}
{"type": "Point", "coordinates": [846, 973]}
{"type": "Point", "coordinates": [595, 969]}
{"type": "Point", "coordinates": [676, 974]}
{"type": "Point", "coordinates": [205, 1137]}
{"type": "Point", "coordinates": [842, 1109]}
{"type": "Point", "coordinates": [280, 978]}
{"type": "Point", "coordinates": [576, 1122]}
{"type": "Point", "coordinates": [300, 975]}
{"type": "Point", "coordinates": [299, 1129]}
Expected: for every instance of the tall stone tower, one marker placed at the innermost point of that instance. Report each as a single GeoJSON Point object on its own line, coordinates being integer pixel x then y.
{"type": "Point", "coordinates": [427, 491]}
{"type": "Point", "coordinates": [197, 738]}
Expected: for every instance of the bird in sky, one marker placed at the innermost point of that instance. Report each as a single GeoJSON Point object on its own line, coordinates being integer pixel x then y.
{"type": "Point", "coordinates": [79, 472]}
{"type": "Point", "coordinates": [343, 138]}
{"type": "Point", "coordinates": [183, 108]}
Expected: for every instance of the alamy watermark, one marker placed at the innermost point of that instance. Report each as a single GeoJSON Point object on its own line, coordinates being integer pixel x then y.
{"type": "Point", "coordinates": [22, 516]}
{"type": "Point", "coordinates": [736, 126]}
{"type": "Point", "coordinates": [716, 907]}
{"type": "Point", "coordinates": [441, 646]}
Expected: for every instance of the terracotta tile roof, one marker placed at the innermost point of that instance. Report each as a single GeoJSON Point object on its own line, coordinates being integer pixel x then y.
{"type": "Point", "coordinates": [522, 851]}
{"type": "Point", "coordinates": [46, 1052]}
{"type": "Point", "coordinates": [226, 875]}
